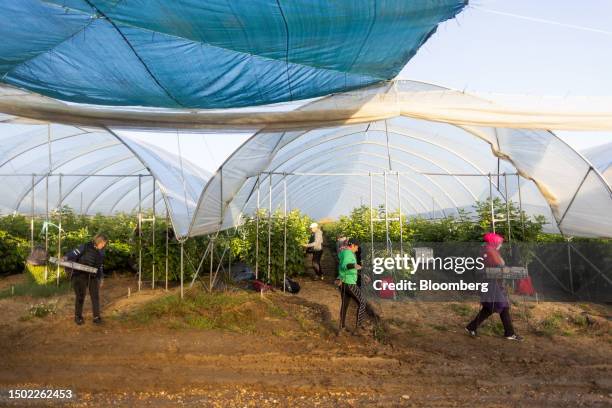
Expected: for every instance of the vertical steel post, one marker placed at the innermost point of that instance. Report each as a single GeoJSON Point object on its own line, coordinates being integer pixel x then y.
{"type": "Point", "coordinates": [212, 255]}
{"type": "Point", "coordinates": [182, 268]}
{"type": "Point", "coordinates": [167, 243]}
{"type": "Point", "coordinates": [371, 221]}
{"type": "Point", "coordinates": [257, 232]}
{"type": "Point", "coordinates": [433, 208]}
{"type": "Point", "coordinates": [59, 231]}
{"type": "Point", "coordinates": [569, 264]}
{"type": "Point", "coordinates": [509, 230]}
{"type": "Point", "coordinates": [47, 197]}
{"type": "Point", "coordinates": [139, 231]}
{"type": "Point", "coordinates": [285, 231]}
{"type": "Point", "coordinates": [387, 215]}
{"type": "Point", "coordinates": [46, 223]}
{"type": "Point", "coordinates": [229, 261]}
{"type": "Point", "coordinates": [269, 225]}
{"type": "Point", "coordinates": [518, 183]}
{"type": "Point", "coordinates": [491, 202]}
{"type": "Point", "coordinates": [401, 222]}
{"type": "Point", "coordinates": [33, 215]}
{"type": "Point", "coordinates": [153, 239]}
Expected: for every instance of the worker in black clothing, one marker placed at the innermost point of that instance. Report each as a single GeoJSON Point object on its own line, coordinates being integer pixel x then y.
{"type": "Point", "coordinates": [90, 254]}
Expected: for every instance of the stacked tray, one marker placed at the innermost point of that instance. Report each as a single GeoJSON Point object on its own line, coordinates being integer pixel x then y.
{"type": "Point", "coordinates": [73, 265]}
{"type": "Point", "coordinates": [505, 272]}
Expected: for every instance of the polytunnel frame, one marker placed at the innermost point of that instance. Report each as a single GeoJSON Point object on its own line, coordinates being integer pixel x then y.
{"type": "Point", "coordinates": [257, 188]}
{"type": "Point", "coordinates": [495, 149]}
{"type": "Point", "coordinates": [96, 173]}
{"type": "Point", "coordinates": [387, 220]}
{"type": "Point", "coordinates": [468, 129]}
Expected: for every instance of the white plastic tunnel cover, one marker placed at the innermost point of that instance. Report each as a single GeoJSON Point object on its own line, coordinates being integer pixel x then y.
{"type": "Point", "coordinates": [94, 171]}
{"type": "Point", "coordinates": [429, 168]}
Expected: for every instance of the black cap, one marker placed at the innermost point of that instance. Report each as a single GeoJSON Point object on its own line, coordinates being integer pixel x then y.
{"type": "Point", "coordinates": [352, 241]}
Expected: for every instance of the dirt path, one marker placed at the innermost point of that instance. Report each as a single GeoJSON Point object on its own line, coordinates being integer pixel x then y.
{"type": "Point", "coordinates": [423, 359]}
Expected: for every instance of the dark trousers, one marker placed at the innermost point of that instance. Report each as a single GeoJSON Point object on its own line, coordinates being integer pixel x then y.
{"type": "Point", "coordinates": [81, 283]}
{"type": "Point", "coordinates": [486, 311]}
{"type": "Point", "coordinates": [346, 293]}
{"type": "Point", "coordinates": [316, 262]}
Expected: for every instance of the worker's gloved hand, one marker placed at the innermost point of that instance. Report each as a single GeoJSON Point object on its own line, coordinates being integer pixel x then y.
{"type": "Point", "coordinates": [338, 282]}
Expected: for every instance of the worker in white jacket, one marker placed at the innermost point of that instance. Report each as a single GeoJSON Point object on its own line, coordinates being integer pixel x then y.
{"type": "Point", "coordinates": [315, 245]}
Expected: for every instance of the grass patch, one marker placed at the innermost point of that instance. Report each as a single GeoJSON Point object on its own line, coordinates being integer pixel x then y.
{"type": "Point", "coordinates": [37, 273]}
{"type": "Point", "coordinates": [562, 324]}
{"type": "Point", "coordinates": [238, 312]}
{"type": "Point", "coordinates": [39, 310]}
{"type": "Point", "coordinates": [305, 324]}
{"type": "Point", "coordinates": [33, 289]}
{"type": "Point", "coordinates": [551, 325]}
{"type": "Point", "coordinates": [492, 327]}
{"type": "Point", "coordinates": [462, 309]}
{"type": "Point", "coordinates": [275, 310]}
{"type": "Point", "coordinates": [42, 309]}
{"type": "Point", "coordinates": [381, 333]}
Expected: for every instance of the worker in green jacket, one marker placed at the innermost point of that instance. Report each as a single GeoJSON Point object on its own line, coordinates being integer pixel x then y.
{"type": "Point", "coordinates": [347, 282]}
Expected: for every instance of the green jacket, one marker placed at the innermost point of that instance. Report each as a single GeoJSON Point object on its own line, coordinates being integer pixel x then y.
{"type": "Point", "coordinates": [346, 275]}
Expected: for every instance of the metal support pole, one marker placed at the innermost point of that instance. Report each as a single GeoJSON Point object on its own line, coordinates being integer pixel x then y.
{"type": "Point", "coordinates": [212, 255]}
{"type": "Point", "coordinates": [167, 243]}
{"type": "Point", "coordinates": [491, 202]}
{"type": "Point", "coordinates": [47, 197]}
{"type": "Point", "coordinates": [46, 224]}
{"type": "Point", "coordinates": [197, 270]}
{"type": "Point", "coordinates": [140, 232]}
{"type": "Point", "coordinates": [257, 232]}
{"type": "Point", "coordinates": [182, 268]}
{"type": "Point", "coordinates": [509, 229]}
{"type": "Point", "coordinates": [284, 232]}
{"type": "Point", "coordinates": [401, 222]}
{"type": "Point", "coordinates": [518, 182]}
{"type": "Point", "coordinates": [569, 264]}
{"type": "Point", "coordinates": [269, 225]}
{"type": "Point", "coordinates": [229, 262]}
{"type": "Point", "coordinates": [433, 208]}
{"type": "Point", "coordinates": [59, 231]}
{"type": "Point", "coordinates": [387, 215]}
{"type": "Point", "coordinates": [153, 242]}
{"type": "Point", "coordinates": [371, 221]}
{"type": "Point", "coordinates": [32, 218]}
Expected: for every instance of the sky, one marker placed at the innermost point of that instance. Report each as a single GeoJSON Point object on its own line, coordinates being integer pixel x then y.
{"type": "Point", "coordinates": [543, 48]}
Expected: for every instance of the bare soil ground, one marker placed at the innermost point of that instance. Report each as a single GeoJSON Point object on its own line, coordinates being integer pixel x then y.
{"type": "Point", "coordinates": [416, 356]}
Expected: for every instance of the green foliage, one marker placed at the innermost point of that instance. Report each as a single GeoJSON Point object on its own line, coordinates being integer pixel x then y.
{"type": "Point", "coordinates": [463, 227]}
{"type": "Point", "coordinates": [357, 225]}
{"type": "Point", "coordinates": [217, 311]}
{"type": "Point", "coordinates": [522, 227]}
{"type": "Point", "coordinates": [244, 246]}
{"type": "Point", "coordinates": [462, 309]}
{"type": "Point", "coordinates": [37, 273]}
{"type": "Point", "coordinates": [550, 325]}
{"type": "Point", "coordinates": [124, 245]}
{"type": "Point", "coordinates": [33, 289]}
{"type": "Point", "coordinates": [13, 251]}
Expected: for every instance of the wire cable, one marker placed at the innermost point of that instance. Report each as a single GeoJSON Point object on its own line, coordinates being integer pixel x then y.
{"type": "Point", "coordinates": [541, 20]}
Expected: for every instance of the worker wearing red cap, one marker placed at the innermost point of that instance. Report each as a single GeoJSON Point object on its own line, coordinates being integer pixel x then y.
{"type": "Point", "coordinates": [495, 300]}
